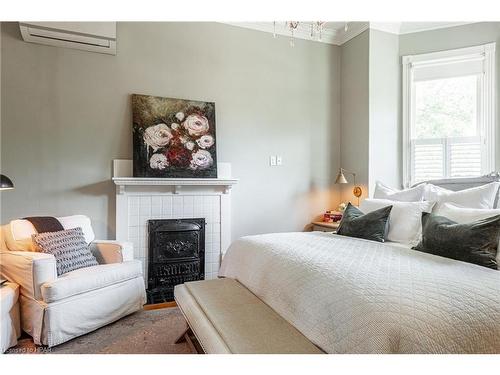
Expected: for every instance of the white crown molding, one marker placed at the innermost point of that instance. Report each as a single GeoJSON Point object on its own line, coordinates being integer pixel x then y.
{"type": "Point", "coordinates": [401, 28]}
{"type": "Point", "coordinates": [338, 36]}
{"type": "Point", "coordinates": [302, 32]}
{"type": "Point", "coordinates": [353, 30]}
{"type": "Point", "coordinates": [406, 28]}
{"type": "Point", "coordinates": [329, 35]}
{"type": "Point", "coordinates": [388, 27]}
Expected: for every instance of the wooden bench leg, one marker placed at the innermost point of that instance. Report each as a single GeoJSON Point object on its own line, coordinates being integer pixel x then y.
{"type": "Point", "coordinates": [182, 336]}
{"type": "Point", "coordinates": [188, 337]}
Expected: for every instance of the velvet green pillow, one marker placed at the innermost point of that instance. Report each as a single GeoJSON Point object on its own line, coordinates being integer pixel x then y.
{"type": "Point", "coordinates": [371, 226]}
{"type": "Point", "coordinates": [475, 242]}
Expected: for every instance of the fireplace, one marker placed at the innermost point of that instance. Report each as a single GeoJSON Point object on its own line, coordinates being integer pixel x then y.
{"type": "Point", "coordinates": [176, 254]}
{"type": "Point", "coordinates": [139, 200]}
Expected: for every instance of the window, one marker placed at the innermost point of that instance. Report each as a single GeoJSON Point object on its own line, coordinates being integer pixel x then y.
{"type": "Point", "coordinates": [448, 114]}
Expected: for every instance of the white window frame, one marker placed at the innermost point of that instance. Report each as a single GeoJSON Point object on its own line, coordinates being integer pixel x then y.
{"type": "Point", "coordinates": [486, 53]}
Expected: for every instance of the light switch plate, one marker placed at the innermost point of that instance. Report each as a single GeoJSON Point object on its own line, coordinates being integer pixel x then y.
{"type": "Point", "coordinates": [272, 160]}
{"type": "Point", "coordinates": [279, 160]}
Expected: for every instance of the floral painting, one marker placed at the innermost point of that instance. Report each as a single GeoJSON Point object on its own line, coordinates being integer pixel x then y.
{"type": "Point", "coordinates": [173, 137]}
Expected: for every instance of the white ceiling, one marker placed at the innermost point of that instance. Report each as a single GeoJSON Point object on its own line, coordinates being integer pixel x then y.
{"type": "Point", "coordinates": [336, 33]}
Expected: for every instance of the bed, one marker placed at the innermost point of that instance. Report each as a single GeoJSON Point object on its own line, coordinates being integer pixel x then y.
{"type": "Point", "coordinates": [349, 295]}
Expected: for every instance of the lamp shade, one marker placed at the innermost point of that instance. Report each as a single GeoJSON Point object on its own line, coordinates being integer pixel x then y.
{"type": "Point", "coordinates": [341, 178]}
{"type": "Point", "coordinates": [5, 183]}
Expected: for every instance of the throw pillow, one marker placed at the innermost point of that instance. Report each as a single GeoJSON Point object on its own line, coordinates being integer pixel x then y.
{"type": "Point", "coordinates": [475, 242]}
{"type": "Point", "coordinates": [371, 226]}
{"type": "Point", "coordinates": [68, 247]}
{"type": "Point", "coordinates": [463, 215]}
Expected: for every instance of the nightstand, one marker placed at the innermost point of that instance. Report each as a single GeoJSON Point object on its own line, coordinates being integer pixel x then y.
{"type": "Point", "coordinates": [322, 226]}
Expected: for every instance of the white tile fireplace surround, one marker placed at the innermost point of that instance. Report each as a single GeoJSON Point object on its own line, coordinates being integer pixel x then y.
{"type": "Point", "coordinates": [141, 199]}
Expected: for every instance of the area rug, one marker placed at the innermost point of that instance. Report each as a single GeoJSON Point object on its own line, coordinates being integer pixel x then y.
{"type": "Point", "coordinates": [144, 332]}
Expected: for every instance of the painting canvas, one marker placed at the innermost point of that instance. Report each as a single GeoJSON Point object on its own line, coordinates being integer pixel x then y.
{"type": "Point", "coordinates": [173, 138]}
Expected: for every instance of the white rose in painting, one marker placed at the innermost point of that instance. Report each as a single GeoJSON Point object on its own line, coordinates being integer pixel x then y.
{"type": "Point", "coordinates": [206, 141]}
{"type": "Point", "coordinates": [174, 126]}
{"type": "Point", "coordinates": [158, 161]}
{"type": "Point", "coordinates": [157, 136]}
{"type": "Point", "coordinates": [189, 145]}
{"type": "Point", "coordinates": [196, 125]}
{"type": "Point", "coordinates": [202, 159]}
{"type": "Point", "coordinates": [179, 116]}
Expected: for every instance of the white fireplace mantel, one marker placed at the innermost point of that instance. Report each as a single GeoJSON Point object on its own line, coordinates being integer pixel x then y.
{"type": "Point", "coordinates": [176, 183]}
{"type": "Point", "coordinates": [122, 177]}
{"type": "Point", "coordinates": [141, 199]}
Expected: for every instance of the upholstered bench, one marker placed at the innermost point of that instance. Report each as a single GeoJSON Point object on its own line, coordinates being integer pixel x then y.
{"type": "Point", "coordinates": [226, 317]}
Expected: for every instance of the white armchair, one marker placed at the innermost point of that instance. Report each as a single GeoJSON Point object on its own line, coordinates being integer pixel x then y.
{"type": "Point", "coordinates": [57, 309]}
{"type": "Point", "coordinates": [10, 326]}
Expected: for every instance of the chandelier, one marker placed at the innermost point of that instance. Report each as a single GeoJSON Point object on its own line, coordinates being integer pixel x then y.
{"type": "Point", "coordinates": [316, 29]}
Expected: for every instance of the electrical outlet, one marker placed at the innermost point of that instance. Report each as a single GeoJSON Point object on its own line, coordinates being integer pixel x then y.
{"type": "Point", "coordinates": [279, 160]}
{"type": "Point", "coordinates": [272, 160]}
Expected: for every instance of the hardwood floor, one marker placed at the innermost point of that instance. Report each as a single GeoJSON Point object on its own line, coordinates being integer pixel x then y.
{"type": "Point", "coordinates": [162, 305]}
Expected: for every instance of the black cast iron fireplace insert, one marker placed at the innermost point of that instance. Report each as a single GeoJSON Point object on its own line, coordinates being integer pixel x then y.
{"type": "Point", "coordinates": [176, 254]}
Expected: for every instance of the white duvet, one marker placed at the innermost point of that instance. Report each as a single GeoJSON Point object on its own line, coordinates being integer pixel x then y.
{"type": "Point", "coordinates": [349, 295]}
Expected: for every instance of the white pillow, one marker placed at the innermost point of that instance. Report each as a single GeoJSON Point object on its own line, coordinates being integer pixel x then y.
{"type": "Point", "coordinates": [414, 194]}
{"type": "Point", "coordinates": [405, 221]}
{"type": "Point", "coordinates": [464, 215]}
{"type": "Point", "coordinates": [477, 197]}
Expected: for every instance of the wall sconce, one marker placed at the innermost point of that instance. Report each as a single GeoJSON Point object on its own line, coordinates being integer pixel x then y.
{"type": "Point", "coordinates": [6, 183]}
{"type": "Point", "coordinates": [357, 191]}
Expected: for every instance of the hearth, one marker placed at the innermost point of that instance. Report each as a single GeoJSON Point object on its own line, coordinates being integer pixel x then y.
{"type": "Point", "coordinates": [176, 255]}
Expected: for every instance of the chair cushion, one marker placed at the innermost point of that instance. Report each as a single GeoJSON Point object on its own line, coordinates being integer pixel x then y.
{"type": "Point", "coordinates": [88, 279]}
{"type": "Point", "coordinates": [82, 221]}
{"type": "Point", "coordinates": [18, 232]}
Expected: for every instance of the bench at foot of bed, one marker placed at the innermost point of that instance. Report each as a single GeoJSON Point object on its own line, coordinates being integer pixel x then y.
{"type": "Point", "coordinates": [226, 318]}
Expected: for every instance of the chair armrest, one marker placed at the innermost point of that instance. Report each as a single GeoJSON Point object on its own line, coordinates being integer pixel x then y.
{"type": "Point", "coordinates": [109, 251]}
{"type": "Point", "coordinates": [28, 269]}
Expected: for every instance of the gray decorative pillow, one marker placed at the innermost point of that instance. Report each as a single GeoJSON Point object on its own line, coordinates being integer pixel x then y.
{"type": "Point", "coordinates": [371, 226]}
{"type": "Point", "coordinates": [475, 242]}
{"type": "Point", "coordinates": [68, 247]}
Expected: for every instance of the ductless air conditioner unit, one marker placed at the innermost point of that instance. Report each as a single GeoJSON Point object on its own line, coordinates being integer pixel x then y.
{"type": "Point", "coordinates": [88, 36]}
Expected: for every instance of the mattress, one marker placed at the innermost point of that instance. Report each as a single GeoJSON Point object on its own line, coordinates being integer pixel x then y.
{"type": "Point", "coordinates": [350, 295]}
